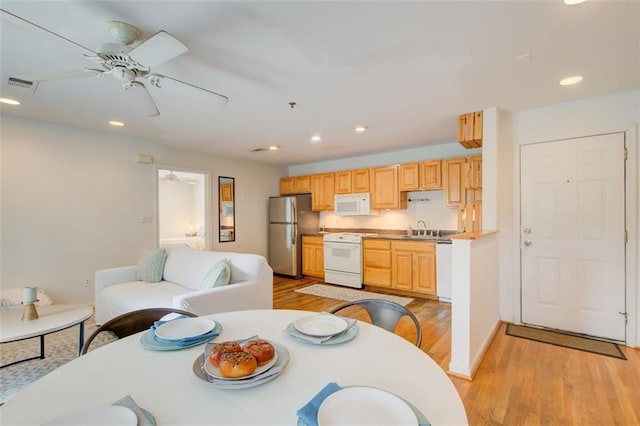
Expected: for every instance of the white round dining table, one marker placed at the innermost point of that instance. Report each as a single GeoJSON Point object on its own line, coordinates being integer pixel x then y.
{"type": "Point", "coordinates": [164, 383]}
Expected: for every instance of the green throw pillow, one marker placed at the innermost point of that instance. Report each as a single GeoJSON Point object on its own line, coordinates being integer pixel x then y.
{"type": "Point", "coordinates": [218, 275]}
{"type": "Point", "coordinates": [151, 265]}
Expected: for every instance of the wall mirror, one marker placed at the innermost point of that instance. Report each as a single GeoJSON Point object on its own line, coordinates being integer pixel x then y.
{"type": "Point", "coordinates": [226, 208]}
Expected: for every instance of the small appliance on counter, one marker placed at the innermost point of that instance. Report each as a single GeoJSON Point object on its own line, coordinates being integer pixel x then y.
{"type": "Point", "coordinates": [289, 218]}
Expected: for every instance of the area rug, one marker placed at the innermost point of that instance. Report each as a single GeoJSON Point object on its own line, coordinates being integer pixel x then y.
{"type": "Point", "coordinates": [349, 295]}
{"type": "Point", "coordinates": [60, 348]}
{"type": "Point", "coordinates": [566, 340]}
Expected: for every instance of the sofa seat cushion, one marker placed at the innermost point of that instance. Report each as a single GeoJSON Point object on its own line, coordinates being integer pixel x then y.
{"type": "Point", "coordinates": [131, 296]}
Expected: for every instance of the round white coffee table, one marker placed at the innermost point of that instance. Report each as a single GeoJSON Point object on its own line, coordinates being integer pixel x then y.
{"type": "Point", "coordinates": [50, 319]}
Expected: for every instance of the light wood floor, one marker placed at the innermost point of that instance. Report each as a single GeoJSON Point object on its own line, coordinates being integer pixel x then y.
{"type": "Point", "coordinates": [519, 381]}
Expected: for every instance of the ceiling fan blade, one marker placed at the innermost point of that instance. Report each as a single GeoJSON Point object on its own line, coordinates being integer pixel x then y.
{"type": "Point", "coordinates": [157, 49]}
{"type": "Point", "coordinates": [59, 75]}
{"type": "Point", "coordinates": [35, 28]}
{"type": "Point", "coordinates": [185, 89]}
{"type": "Point", "coordinates": [140, 98]}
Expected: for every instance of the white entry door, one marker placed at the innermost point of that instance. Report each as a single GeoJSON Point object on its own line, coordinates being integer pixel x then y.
{"type": "Point", "coordinates": [572, 240]}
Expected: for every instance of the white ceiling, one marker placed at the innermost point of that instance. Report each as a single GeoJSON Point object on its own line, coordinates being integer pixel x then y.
{"type": "Point", "coordinates": [404, 69]}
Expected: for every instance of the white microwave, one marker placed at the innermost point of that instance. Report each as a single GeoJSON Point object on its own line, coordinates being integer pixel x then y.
{"type": "Point", "coordinates": [352, 204]}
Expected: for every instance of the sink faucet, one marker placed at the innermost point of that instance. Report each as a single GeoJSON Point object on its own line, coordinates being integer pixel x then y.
{"type": "Point", "coordinates": [424, 225]}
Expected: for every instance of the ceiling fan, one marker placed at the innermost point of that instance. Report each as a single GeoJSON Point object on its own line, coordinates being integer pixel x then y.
{"type": "Point", "coordinates": [128, 64]}
{"type": "Point", "coordinates": [171, 177]}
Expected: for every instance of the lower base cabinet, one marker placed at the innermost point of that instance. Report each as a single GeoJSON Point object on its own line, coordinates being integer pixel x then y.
{"type": "Point", "coordinates": [402, 265]}
{"type": "Point", "coordinates": [313, 256]}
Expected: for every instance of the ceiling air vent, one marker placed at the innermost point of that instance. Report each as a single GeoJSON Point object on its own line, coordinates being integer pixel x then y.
{"type": "Point", "coordinates": [22, 85]}
{"type": "Point", "coordinates": [259, 149]}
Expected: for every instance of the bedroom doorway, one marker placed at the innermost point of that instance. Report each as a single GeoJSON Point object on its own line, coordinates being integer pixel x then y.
{"type": "Point", "coordinates": [183, 201]}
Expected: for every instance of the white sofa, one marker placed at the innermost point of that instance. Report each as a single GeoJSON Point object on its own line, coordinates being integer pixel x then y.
{"type": "Point", "coordinates": [118, 290]}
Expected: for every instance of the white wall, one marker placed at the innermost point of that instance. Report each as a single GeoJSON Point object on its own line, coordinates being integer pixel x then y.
{"type": "Point", "coordinates": [608, 114]}
{"type": "Point", "coordinates": [72, 201]}
{"type": "Point", "coordinates": [179, 204]}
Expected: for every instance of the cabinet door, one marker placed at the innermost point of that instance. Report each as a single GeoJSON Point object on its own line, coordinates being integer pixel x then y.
{"type": "Point", "coordinates": [360, 180]}
{"type": "Point", "coordinates": [287, 186]}
{"type": "Point", "coordinates": [431, 174]}
{"type": "Point", "coordinates": [409, 177]}
{"type": "Point", "coordinates": [313, 256]}
{"type": "Point", "coordinates": [454, 174]}
{"type": "Point", "coordinates": [302, 184]}
{"type": "Point", "coordinates": [384, 189]}
{"type": "Point", "coordinates": [226, 192]}
{"type": "Point", "coordinates": [322, 191]}
{"type": "Point", "coordinates": [402, 269]}
{"type": "Point", "coordinates": [343, 182]}
{"type": "Point", "coordinates": [424, 270]}
{"type": "Point", "coordinates": [475, 172]}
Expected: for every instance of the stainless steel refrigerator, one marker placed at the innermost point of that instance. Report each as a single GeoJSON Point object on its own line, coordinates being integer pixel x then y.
{"type": "Point", "coordinates": [289, 218]}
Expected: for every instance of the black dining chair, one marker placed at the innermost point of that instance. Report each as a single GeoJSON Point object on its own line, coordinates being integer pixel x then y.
{"type": "Point", "coordinates": [132, 322]}
{"type": "Point", "coordinates": [385, 314]}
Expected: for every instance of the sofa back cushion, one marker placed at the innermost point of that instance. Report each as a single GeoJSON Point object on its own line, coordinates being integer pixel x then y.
{"type": "Point", "coordinates": [187, 267]}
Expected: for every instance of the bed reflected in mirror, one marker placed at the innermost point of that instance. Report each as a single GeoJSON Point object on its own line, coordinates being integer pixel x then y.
{"type": "Point", "coordinates": [227, 222]}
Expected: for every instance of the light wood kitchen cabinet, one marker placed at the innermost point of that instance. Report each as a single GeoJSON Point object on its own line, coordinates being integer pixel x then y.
{"type": "Point", "coordinates": [470, 129]}
{"type": "Point", "coordinates": [360, 181]}
{"type": "Point", "coordinates": [454, 177]}
{"type": "Point", "coordinates": [385, 192]}
{"type": "Point", "coordinates": [431, 175]}
{"type": "Point", "coordinates": [474, 180]}
{"type": "Point", "coordinates": [409, 177]}
{"type": "Point", "coordinates": [343, 182]}
{"type": "Point", "coordinates": [413, 266]}
{"type": "Point", "coordinates": [376, 262]}
{"type": "Point", "coordinates": [286, 186]}
{"type": "Point", "coordinates": [322, 191]}
{"type": "Point", "coordinates": [313, 256]}
{"type": "Point", "coordinates": [295, 185]}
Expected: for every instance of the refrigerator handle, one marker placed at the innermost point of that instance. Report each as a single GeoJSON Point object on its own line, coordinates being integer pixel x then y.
{"type": "Point", "coordinates": [294, 234]}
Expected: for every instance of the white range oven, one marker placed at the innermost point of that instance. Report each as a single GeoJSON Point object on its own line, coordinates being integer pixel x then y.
{"type": "Point", "coordinates": [343, 258]}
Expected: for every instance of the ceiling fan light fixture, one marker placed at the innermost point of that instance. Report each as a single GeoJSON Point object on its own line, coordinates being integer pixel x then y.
{"type": "Point", "coordinates": [122, 32]}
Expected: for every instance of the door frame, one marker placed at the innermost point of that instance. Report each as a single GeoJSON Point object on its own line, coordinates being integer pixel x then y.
{"type": "Point", "coordinates": [208, 219]}
{"type": "Point", "coordinates": [632, 253]}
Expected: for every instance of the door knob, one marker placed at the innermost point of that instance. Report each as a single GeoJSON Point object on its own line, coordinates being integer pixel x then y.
{"type": "Point", "coordinates": [527, 243]}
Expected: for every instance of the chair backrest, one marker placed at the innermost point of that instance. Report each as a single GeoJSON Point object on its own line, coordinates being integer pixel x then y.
{"type": "Point", "coordinates": [132, 322]}
{"type": "Point", "coordinates": [385, 314]}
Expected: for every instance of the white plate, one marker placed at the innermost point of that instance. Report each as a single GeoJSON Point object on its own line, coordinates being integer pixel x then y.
{"type": "Point", "coordinates": [364, 406]}
{"type": "Point", "coordinates": [108, 415]}
{"type": "Point", "coordinates": [320, 325]}
{"type": "Point", "coordinates": [184, 328]}
{"type": "Point", "coordinates": [214, 371]}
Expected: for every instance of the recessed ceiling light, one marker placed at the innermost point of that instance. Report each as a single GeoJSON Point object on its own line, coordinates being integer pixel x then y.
{"type": "Point", "coordinates": [316, 138]}
{"type": "Point", "coordinates": [9, 101]}
{"type": "Point", "coordinates": [274, 147]}
{"type": "Point", "coordinates": [360, 129]}
{"type": "Point", "coordinates": [116, 123]}
{"type": "Point", "coordinates": [571, 80]}
{"type": "Point", "coordinates": [573, 2]}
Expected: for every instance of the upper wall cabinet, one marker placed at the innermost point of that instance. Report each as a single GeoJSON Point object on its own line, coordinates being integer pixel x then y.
{"type": "Point", "coordinates": [420, 176]}
{"type": "Point", "coordinates": [470, 129]}
{"type": "Point", "coordinates": [454, 173]}
{"type": "Point", "coordinates": [295, 185]}
{"type": "Point", "coordinates": [322, 192]}
{"type": "Point", "coordinates": [343, 182]}
{"type": "Point", "coordinates": [385, 191]}
{"type": "Point", "coordinates": [431, 174]}
{"type": "Point", "coordinates": [360, 181]}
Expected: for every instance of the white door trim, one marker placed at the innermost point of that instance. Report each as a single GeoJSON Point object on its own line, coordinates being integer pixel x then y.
{"type": "Point", "coordinates": [632, 256]}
